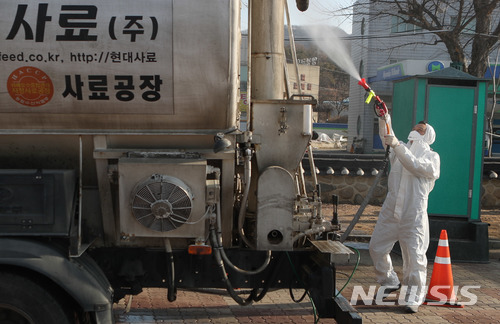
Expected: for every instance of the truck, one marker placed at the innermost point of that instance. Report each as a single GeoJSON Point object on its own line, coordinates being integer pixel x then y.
{"type": "Point", "coordinates": [123, 165]}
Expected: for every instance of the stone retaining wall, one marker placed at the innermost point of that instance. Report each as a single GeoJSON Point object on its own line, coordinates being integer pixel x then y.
{"type": "Point", "coordinates": [490, 193]}
{"type": "Point", "coordinates": [352, 189]}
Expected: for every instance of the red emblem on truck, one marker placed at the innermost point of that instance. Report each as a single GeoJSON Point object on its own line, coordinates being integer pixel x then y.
{"type": "Point", "coordinates": [30, 86]}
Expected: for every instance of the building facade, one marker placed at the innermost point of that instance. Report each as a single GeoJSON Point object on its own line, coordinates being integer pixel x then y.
{"type": "Point", "coordinates": [384, 49]}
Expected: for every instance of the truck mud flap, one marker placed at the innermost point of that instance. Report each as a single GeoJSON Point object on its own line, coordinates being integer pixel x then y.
{"type": "Point", "coordinates": [344, 312]}
{"type": "Point", "coordinates": [329, 303]}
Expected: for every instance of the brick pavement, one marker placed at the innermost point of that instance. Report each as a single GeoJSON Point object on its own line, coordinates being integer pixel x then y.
{"type": "Point", "coordinates": [151, 306]}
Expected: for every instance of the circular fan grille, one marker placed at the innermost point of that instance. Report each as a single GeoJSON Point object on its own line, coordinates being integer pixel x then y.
{"type": "Point", "coordinates": [162, 203]}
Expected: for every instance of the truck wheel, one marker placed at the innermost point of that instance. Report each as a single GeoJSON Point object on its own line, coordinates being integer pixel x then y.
{"type": "Point", "coordinates": [22, 301]}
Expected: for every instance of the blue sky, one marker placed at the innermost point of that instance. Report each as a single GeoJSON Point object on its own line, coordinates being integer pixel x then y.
{"type": "Point", "coordinates": [318, 13]}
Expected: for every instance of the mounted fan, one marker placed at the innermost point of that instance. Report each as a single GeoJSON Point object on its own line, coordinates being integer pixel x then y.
{"type": "Point", "coordinates": [162, 203]}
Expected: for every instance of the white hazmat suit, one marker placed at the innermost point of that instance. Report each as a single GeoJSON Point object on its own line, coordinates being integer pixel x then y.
{"type": "Point", "coordinates": [403, 216]}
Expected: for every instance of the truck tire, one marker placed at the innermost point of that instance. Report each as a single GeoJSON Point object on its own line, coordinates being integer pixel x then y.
{"type": "Point", "coordinates": [23, 301]}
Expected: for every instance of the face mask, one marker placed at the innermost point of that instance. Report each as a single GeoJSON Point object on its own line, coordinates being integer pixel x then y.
{"type": "Point", "coordinates": [415, 136]}
{"type": "Point", "coordinates": [417, 148]}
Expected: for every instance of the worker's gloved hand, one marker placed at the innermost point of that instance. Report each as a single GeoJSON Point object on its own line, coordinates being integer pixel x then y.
{"type": "Point", "coordinates": [391, 140]}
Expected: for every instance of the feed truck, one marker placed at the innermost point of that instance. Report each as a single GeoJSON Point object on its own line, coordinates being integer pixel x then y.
{"type": "Point", "coordinates": [123, 164]}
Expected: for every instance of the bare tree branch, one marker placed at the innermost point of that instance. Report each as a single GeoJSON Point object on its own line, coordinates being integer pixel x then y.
{"type": "Point", "coordinates": [458, 24]}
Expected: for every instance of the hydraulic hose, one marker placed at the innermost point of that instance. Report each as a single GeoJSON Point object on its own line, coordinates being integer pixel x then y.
{"type": "Point", "coordinates": [367, 198]}
{"type": "Point", "coordinates": [221, 257]}
{"type": "Point", "coordinates": [218, 246]}
{"type": "Point", "coordinates": [243, 271]}
{"type": "Point", "coordinates": [244, 200]}
{"type": "Point", "coordinates": [172, 289]}
{"type": "Point", "coordinates": [223, 272]}
{"type": "Point", "coordinates": [229, 287]}
{"type": "Point", "coordinates": [216, 240]}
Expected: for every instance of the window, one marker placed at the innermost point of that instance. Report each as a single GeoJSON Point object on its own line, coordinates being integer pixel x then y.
{"type": "Point", "coordinates": [309, 86]}
{"type": "Point", "coordinates": [398, 26]}
{"type": "Point", "coordinates": [302, 77]}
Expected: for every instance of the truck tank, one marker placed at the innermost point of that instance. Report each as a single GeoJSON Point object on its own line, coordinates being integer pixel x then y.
{"type": "Point", "coordinates": [122, 157]}
{"type": "Point", "coordinates": [120, 66]}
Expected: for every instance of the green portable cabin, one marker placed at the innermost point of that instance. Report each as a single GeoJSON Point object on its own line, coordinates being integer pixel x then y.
{"type": "Point", "coordinates": [454, 103]}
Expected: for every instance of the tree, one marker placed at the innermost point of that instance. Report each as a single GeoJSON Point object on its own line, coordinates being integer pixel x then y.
{"type": "Point", "coordinates": [469, 29]}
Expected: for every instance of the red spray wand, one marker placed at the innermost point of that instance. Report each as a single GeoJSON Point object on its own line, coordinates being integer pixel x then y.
{"type": "Point", "coordinates": [380, 107]}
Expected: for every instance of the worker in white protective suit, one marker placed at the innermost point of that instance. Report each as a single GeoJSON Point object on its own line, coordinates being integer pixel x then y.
{"type": "Point", "coordinates": [403, 216]}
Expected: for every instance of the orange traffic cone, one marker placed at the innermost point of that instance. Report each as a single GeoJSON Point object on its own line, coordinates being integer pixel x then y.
{"type": "Point", "coordinates": [441, 286]}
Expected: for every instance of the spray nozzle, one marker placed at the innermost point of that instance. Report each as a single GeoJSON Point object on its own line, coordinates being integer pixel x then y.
{"type": "Point", "coordinates": [365, 85]}
{"type": "Point", "coordinates": [371, 93]}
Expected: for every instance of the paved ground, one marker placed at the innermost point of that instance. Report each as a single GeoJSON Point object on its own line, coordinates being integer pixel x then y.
{"type": "Point", "coordinates": [151, 306]}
